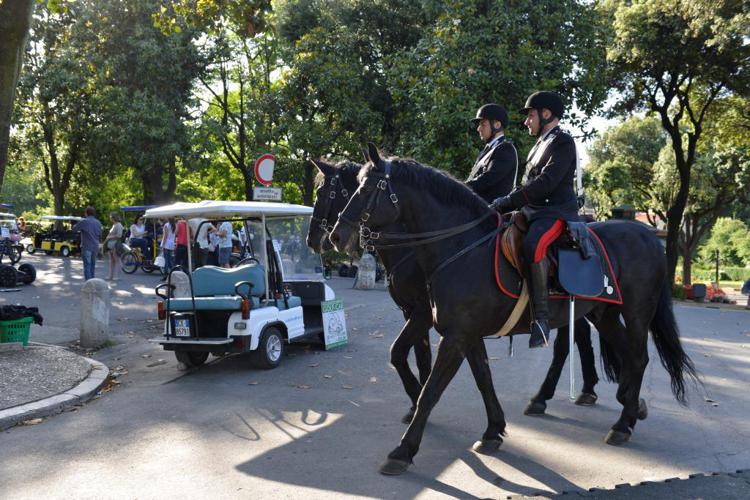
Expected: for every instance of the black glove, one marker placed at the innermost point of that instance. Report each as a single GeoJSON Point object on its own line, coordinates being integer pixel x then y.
{"type": "Point", "coordinates": [502, 204]}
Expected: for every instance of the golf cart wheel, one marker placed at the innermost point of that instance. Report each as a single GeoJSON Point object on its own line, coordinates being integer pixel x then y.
{"type": "Point", "coordinates": [129, 263]}
{"type": "Point", "coordinates": [8, 276]}
{"type": "Point", "coordinates": [28, 273]}
{"type": "Point", "coordinates": [30, 249]}
{"type": "Point", "coordinates": [191, 359]}
{"type": "Point", "coordinates": [65, 251]}
{"type": "Point", "coordinates": [270, 349]}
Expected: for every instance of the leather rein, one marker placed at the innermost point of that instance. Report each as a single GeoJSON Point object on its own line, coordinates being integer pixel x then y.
{"type": "Point", "coordinates": [371, 240]}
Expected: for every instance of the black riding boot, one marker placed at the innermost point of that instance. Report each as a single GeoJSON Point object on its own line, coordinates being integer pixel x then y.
{"type": "Point", "coordinates": [538, 280]}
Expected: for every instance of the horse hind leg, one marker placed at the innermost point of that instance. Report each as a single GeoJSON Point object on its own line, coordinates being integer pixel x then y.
{"type": "Point", "coordinates": [480, 368]}
{"type": "Point", "coordinates": [632, 343]}
{"type": "Point", "coordinates": [538, 403]}
{"type": "Point", "coordinates": [447, 362]}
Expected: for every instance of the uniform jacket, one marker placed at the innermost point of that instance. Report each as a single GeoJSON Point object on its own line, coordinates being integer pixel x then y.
{"type": "Point", "coordinates": [495, 170]}
{"type": "Point", "coordinates": [548, 189]}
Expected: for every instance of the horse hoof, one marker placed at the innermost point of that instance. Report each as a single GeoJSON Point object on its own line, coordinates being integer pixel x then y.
{"type": "Point", "coordinates": [617, 438]}
{"type": "Point", "coordinates": [394, 467]}
{"type": "Point", "coordinates": [406, 419]}
{"type": "Point", "coordinates": [586, 399]}
{"type": "Point", "coordinates": [535, 408]}
{"type": "Point", "coordinates": [642, 409]}
{"type": "Point", "coordinates": [487, 446]}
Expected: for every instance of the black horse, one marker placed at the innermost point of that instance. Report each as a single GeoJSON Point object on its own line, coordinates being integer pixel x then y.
{"type": "Point", "coordinates": [406, 286]}
{"type": "Point", "coordinates": [405, 279]}
{"type": "Point", "coordinates": [467, 304]}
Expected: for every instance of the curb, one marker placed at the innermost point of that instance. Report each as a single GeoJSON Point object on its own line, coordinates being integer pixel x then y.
{"type": "Point", "coordinates": [52, 405]}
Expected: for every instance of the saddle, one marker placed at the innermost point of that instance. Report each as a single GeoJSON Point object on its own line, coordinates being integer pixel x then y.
{"type": "Point", "coordinates": [576, 263]}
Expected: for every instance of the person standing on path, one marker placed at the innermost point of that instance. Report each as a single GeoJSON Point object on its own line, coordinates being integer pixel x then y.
{"type": "Point", "coordinates": [91, 232]}
{"type": "Point", "coordinates": [225, 243]}
{"type": "Point", "coordinates": [181, 244]}
{"type": "Point", "coordinates": [168, 244]}
{"type": "Point", "coordinates": [112, 246]}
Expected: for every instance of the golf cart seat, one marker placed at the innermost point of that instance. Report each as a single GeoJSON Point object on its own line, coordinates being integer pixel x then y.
{"type": "Point", "coordinates": [214, 289]}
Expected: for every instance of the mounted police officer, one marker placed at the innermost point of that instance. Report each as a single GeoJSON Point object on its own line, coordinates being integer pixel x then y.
{"type": "Point", "coordinates": [496, 168]}
{"type": "Point", "coordinates": [547, 197]}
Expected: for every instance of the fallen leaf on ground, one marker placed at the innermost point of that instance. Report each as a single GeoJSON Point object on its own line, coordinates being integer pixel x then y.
{"type": "Point", "coordinates": [314, 365]}
{"type": "Point", "coordinates": [252, 383]}
{"type": "Point", "coordinates": [709, 400]}
{"type": "Point", "coordinates": [145, 356]}
{"type": "Point", "coordinates": [327, 376]}
{"type": "Point", "coordinates": [347, 387]}
{"type": "Point", "coordinates": [494, 358]}
{"type": "Point", "coordinates": [303, 386]}
{"type": "Point", "coordinates": [347, 357]}
{"type": "Point", "coordinates": [157, 363]}
{"type": "Point", "coordinates": [32, 421]}
{"type": "Point", "coordinates": [373, 380]}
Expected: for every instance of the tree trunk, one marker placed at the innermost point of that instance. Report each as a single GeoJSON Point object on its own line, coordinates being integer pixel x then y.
{"type": "Point", "coordinates": [15, 20]}
{"type": "Point", "coordinates": [153, 186]}
{"type": "Point", "coordinates": [307, 188]}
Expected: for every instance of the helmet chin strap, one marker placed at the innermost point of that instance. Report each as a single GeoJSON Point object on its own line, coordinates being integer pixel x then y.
{"type": "Point", "coordinates": [542, 121]}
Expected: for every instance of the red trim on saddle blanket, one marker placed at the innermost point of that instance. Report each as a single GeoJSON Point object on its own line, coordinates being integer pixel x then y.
{"type": "Point", "coordinates": [547, 239]}
{"type": "Point", "coordinates": [606, 259]}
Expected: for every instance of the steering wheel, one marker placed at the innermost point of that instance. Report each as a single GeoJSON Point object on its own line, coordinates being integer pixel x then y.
{"type": "Point", "coordinates": [249, 260]}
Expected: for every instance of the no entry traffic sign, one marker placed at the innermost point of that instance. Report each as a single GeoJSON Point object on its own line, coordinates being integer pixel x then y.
{"type": "Point", "coordinates": [264, 169]}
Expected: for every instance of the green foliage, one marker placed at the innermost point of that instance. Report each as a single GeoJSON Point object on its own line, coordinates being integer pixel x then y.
{"type": "Point", "coordinates": [621, 167]}
{"type": "Point", "coordinates": [726, 273]}
{"type": "Point", "coordinates": [731, 237]}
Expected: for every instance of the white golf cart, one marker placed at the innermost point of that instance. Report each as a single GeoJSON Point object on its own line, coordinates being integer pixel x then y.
{"type": "Point", "coordinates": [272, 297]}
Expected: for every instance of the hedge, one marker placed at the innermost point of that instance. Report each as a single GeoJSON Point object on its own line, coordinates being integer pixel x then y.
{"type": "Point", "coordinates": [726, 273]}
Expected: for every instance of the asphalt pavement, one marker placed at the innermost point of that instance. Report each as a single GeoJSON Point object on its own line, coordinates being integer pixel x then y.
{"type": "Point", "coordinates": [321, 423]}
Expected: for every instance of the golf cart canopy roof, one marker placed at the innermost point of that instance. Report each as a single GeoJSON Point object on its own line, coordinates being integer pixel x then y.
{"type": "Point", "coordinates": [6, 215]}
{"type": "Point", "coordinates": [61, 217]}
{"type": "Point", "coordinates": [228, 210]}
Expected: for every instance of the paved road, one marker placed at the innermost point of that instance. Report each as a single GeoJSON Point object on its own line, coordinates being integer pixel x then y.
{"type": "Point", "coordinates": [322, 422]}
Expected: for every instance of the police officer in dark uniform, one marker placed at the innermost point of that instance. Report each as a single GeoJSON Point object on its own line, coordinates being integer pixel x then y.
{"type": "Point", "coordinates": [496, 168]}
{"type": "Point", "coordinates": [547, 197]}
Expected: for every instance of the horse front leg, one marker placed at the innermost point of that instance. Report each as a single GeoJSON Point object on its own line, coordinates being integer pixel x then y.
{"type": "Point", "coordinates": [450, 355]}
{"type": "Point", "coordinates": [480, 368]}
{"type": "Point", "coordinates": [415, 333]}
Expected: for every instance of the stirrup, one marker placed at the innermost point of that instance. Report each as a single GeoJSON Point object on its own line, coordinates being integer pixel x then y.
{"type": "Point", "coordinates": [539, 334]}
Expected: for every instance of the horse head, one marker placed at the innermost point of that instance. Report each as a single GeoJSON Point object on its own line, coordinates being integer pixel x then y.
{"type": "Point", "coordinates": [373, 206]}
{"type": "Point", "coordinates": [334, 185]}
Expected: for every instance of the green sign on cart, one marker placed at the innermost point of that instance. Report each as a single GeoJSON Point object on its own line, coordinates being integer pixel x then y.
{"type": "Point", "coordinates": [334, 323]}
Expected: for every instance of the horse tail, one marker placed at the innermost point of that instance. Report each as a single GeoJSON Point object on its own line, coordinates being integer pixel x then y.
{"type": "Point", "coordinates": [667, 339]}
{"type": "Point", "coordinates": [609, 360]}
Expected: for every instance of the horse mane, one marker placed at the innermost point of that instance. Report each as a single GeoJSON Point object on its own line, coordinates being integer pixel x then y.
{"type": "Point", "coordinates": [442, 185]}
{"type": "Point", "coordinates": [347, 167]}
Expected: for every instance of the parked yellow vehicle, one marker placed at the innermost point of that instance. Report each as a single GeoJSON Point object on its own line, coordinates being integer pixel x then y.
{"type": "Point", "coordinates": [64, 241]}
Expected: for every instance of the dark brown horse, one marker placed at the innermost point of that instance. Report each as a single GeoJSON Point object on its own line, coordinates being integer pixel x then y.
{"type": "Point", "coordinates": [468, 306]}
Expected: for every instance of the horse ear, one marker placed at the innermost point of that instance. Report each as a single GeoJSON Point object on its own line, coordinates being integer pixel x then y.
{"type": "Point", "coordinates": [372, 153]}
{"type": "Point", "coordinates": [325, 168]}
{"type": "Point", "coordinates": [366, 155]}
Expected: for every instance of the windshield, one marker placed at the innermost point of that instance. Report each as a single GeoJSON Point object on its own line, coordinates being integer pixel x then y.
{"type": "Point", "coordinates": [297, 260]}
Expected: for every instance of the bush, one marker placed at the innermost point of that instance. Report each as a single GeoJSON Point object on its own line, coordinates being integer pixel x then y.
{"type": "Point", "coordinates": [678, 292]}
{"type": "Point", "coordinates": [726, 273]}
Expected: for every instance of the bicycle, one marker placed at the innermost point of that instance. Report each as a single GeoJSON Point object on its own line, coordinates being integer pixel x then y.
{"type": "Point", "coordinates": [134, 258]}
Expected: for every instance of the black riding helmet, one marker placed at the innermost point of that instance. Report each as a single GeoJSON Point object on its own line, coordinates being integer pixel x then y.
{"type": "Point", "coordinates": [544, 100]}
{"type": "Point", "coordinates": [492, 112]}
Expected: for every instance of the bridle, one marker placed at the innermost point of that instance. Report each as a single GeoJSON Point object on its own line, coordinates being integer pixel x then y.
{"type": "Point", "coordinates": [371, 240]}
{"type": "Point", "coordinates": [323, 223]}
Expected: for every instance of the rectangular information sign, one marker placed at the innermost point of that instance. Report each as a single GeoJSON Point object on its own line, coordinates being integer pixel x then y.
{"type": "Point", "coordinates": [266, 194]}
{"type": "Point", "coordinates": [334, 323]}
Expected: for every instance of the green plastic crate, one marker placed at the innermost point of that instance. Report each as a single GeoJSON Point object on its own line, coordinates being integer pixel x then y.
{"type": "Point", "coordinates": [16, 330]}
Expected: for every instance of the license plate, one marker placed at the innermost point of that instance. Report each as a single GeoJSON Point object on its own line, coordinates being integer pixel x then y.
{"type": "Point", "coordinates": [182, 327]}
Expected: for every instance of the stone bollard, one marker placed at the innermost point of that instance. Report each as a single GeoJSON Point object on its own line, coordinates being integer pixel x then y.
{"type": "Point", "coordinates": [181, 283]}
{"type": "Point", "coordinates": [366, 273]}
{"type": "Point", "coordinates": [95, 305]}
